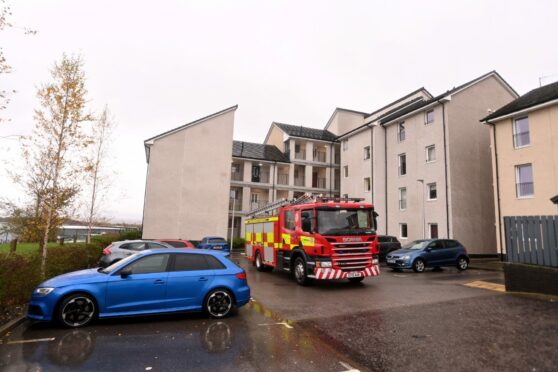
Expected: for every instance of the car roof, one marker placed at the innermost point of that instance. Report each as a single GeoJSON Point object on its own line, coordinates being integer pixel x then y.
{"type": "Point", "coordinates": [182, 250]}
{"type": "Point", "coordinates": [132, 241]}
{"type": "Point", "coordinates": [213, 237]}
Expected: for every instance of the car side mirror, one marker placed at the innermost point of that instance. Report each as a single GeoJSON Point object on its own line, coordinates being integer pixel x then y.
{"type": "Point", "coordinates": [429, 249]}
{"type": "Point", "coordinates": [125, 272]}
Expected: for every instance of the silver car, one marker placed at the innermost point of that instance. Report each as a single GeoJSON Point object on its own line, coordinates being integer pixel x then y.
{"type": "Point", "coordinates": [119, 250]}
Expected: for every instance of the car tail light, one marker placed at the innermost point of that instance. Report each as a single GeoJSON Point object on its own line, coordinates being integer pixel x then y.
{"type": "Point", "coordinates": [107, 250]}
{"type": "Point", "coordinates": [241, 275]}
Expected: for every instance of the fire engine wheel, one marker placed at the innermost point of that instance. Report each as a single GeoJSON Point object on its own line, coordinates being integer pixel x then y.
{"type": "Point", "coordinates": [300, 274]}
{"type": "Point", "coordinates": [258, 262]}
{"type": "Point", "coordinates": [418, 265]}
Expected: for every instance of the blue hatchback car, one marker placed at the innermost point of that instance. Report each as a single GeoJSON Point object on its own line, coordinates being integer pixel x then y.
{"type": "Point", "coordinates": [148, 282]}
{"type": "Point", "coordinates": [214, 242]}
{"type": "Point", "coordinates": [421, 254]}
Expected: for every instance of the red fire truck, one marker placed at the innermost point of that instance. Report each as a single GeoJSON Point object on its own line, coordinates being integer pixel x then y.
{"type": "Point", "coordinates": [315, 238]}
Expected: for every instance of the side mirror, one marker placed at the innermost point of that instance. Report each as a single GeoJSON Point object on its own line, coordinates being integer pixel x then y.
{"type": "Point", "coordinates": [429, 249]}
{"type": "Point", "coordinates": [125, 272]}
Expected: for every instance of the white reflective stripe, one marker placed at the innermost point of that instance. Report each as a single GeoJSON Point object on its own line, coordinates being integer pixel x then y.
{"type": "Point", "coordinates": [339, 272]}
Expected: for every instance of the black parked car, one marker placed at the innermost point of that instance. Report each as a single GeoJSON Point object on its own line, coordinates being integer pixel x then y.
{"type": "Point", "coordinates": [387, 244]}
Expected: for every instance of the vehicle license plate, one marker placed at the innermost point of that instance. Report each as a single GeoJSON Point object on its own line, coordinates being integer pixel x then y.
{"type": "Point", "coordinates": [354, 274]}
{"type": "Point", "coordinates": [391, 260]}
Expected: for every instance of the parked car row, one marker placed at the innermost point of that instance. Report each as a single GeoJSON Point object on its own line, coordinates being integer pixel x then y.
{"type": "Point", "coordinates": [116, 251]}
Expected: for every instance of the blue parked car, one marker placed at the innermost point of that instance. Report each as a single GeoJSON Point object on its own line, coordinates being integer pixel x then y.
{"type": "Point", "coordinates": [147, 282]}
{"type": "Point", "coordinates": [214, 242]}
{"type": "Point", "coordinates": [421, 254]}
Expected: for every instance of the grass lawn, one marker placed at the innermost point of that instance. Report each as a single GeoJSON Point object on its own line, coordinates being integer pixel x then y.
{"type": "Point", "coordinates": [24, 247]}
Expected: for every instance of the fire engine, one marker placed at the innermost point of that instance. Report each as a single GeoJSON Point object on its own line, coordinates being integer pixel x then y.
{"type": "Point", "coordinates": [314, 237]}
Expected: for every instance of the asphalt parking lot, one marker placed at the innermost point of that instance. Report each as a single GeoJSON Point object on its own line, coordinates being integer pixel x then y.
{"type": "Point", "coordinates": [398, 321]}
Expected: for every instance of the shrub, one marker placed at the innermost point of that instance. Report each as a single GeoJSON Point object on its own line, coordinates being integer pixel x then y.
{"type": "Point", "coordinates": [102, 241]}
{"type": "Point", "coordinates": [238, 243]}
{"type": "Point", "coordinates": [20, 273]}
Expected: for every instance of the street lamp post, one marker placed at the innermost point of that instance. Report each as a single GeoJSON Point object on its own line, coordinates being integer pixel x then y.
{"type": "Point", "coordinates": [423, 208]}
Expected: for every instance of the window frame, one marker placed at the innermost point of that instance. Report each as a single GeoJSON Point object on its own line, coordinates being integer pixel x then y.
{"type": "Point", "coordinates": [428, 190]}
{"type": "Point", "coordinates": [345, 171]}
{"type": "Point", "coordinates": [430, 224]}
{"type": "Point", "coordinates": [517, 181]}
{"type": "Point", "coordinates": [401, 224]}
{"type": "Point", "coordinates": [401, 130]}
{"type": "Point", "coordinates": [367, 184]}
{"type": "Point", "coordinates": [401, 189]}
{"type": "Point", "coordinates": [426, 153]}
{"type": "Point", "coordinates": [286, 220]}
{"type": "Point", "coordinates": [515, 132]}
{"type": "Point", "coordinates": [129, 266]}
{"type": "Point", "coordinates": [367, 152]}
{"type": "Point", "coordinates": [399, 157]}
{"type": "Point", "coordinates": [426, 122]}
{"type": "Point", "coordinates": [345, 144]}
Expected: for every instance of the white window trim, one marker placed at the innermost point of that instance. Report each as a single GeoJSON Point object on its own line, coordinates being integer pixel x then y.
{"type": "Point", "coordinates": [400, 199]}
{"type": "Point", "coordinates": [369, 152]}
{"type": "Point", "coordinates": [514, 132]}
{"type": "Point", "coordinates": [426, 117]}
{"type": "Point", "coordinates": [399, 140]}
{"type": "Point", "coordinates": [430, 231]}
{"type": "Point", "coordinates": [426, 154]}
{"type": "Point", "coordinates": [400, 231]}
{"type": "Point", "coordinates": [369, 184]}
{"type": "Point", "coordinates": [399, 164]}
{"type": "Point", "coordinates": [532, 196]}
{"type": "Point", "coordinates": [345, 174]}
{"type": "Point", "coordinates": [345, 145]}
{"type": "Point", "coordinates": [428, 191]}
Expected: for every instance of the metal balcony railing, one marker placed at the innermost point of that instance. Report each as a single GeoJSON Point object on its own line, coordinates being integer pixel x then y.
{"type": "Point", "coordinates": [236, 176]}
{"type": "Point", "coordinates": [237, 205]}
{"type": "Point", "coordinates": [258, 204]}
{"type": "Point", "coordinates": [320, 183]}
{"type": "Point", "coordinates": [283, 179]}
{"type": "Point", "coordinates": [320, 157]}
{"type": "Point", "coordinates": [300, 155]}
{"type": "Point", "coordinates": [299, 181]}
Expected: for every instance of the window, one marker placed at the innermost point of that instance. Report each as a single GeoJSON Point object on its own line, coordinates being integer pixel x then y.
{"type": "Point", "coordinates": [401, 132]}
{"type": "Point", "coordinates": [345, 196]}
{"type": "Point", "coordinates": [345, 145]}
{"type": "Point", "coordinates": [139, 246]}
{"type": "Point", "coordinates": [521, 136]}
{"type": "Point", "coordinates": [367, 153]}
{"type": "Point", "coordinates": [402, 164]}
{"type": "Point", "coordinates": [524, 180]}
{"type": "Point", "coordinates": [306, 220]}
{"type": "Point", "coordinates": [402, 198]}
{"type": "Point", "coordinates": [189, 262]}
{"type": "Point", "coordinates": [429, 117]}
{"type": "Point", "coordinates": [254, 198]}
{"type": "Point", "coordinates": [438, 244]}
{"type": "Point", "coordinates": [289, 220]}
{"type": "Point", "coordinates": [213, 263]}
{"type": "Point", "coordinates": [152, 245]}
{"type": "Point", "coordinates": [451, 243]}
{"type": "Point", "coordinates": [176, 244]}
{"type": "Point", "coordinates": [346, 171]}
{"type": "Point", "coordinates": [367, 185]}
{"type": "Point", "coordinates": [150, 264]}
{"type": "Point", "coordinates": [433, 228]}
{"type": "Point", "coordinates": [430, 153]}
{"type": "Point", "coordinates": [432, 193]}
{"type": "Point", "coordinates": [403, 230]}
{"type": "Point", "coordinates": [383, 239]}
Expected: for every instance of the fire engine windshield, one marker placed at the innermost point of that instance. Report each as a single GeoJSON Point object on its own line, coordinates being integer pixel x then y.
{"type": "Point", "coordinates": [336, 221]}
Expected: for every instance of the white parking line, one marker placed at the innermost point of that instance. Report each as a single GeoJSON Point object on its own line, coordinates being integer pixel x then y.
{"type": "Point", "coordinates": [30, 341]}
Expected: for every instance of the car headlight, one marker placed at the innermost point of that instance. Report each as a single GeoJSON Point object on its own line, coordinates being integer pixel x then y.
{"type": "Point", "coordinates": [43, 291]}
{"type": "Point", "coordinates": [323, 263]}
{"type": "Point", "coordinates": [374, 261]}
{"type": "Point", "coordinates": [405, 257]}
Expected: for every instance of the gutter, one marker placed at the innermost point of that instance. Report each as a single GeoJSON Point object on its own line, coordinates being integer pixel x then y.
{"type": "Point", "coordinates": [497, 189]}
{"type": "Point", "coordinates": [445, 165]}
{"type": "Point", "coordinates": [520, 112]}
{"type": "Point", "coordinates": [386, 176]}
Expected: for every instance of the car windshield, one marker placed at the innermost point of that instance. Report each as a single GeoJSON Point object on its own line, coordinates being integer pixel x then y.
{"type": "Point", "coordinates": [118, 264]}
{"type": "Point", "coordinates": [337, 221]}
{"type": "Point", "coordinates": [417, 244]}
{"type": "Point", "coordinates": [217, 240]}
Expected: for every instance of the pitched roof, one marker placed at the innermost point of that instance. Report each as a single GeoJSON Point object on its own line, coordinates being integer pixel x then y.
{"type": "Point", "coordinates": [535, 97]}
{"type": "Point", "coordinates": [401, 99]}
{"type": "Point", "coordinates": [258, 151]}
{"type": "Point", "coordinates": [198, 121]}
{"type": "Point", "coordinates": [305, 132]}
{"type": "Point", "coordinates": [390, 117]}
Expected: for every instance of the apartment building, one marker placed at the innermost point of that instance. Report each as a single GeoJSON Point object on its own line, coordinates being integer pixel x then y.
{"type": "Point", "coordinates": [424, 163]}
{"type": "Point", "coordinates": [293, 160]}
{"type": "Point", "coordinates": [524, 147]}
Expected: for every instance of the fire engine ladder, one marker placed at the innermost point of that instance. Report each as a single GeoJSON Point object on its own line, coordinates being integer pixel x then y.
{"type": "Point", "coordinates": [278, 204]}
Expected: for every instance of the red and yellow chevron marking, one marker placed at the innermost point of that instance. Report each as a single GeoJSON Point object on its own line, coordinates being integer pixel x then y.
{"type": "Point", "coordinates": [322, 273]}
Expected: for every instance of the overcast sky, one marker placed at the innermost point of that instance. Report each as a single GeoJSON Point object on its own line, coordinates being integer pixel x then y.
{"type": "Point", "coordinates": [160, 64]}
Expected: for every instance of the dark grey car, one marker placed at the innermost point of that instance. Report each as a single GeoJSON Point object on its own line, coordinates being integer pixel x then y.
{"type": "Point", "coordinates": [387, 244]}
{"type": "Point", "coordinates": [119, 250]}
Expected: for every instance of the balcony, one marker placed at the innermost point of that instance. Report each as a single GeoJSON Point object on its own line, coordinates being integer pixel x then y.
{"type": "Point", "coordinates": [236, 176]}
{"type": "Point", "coordinates": [319, 183]}
{"type": "Point", "coordinates": [258, 204]}
{"type": "Point", "coordinates": [282, 179]}
{"type": "Point", "coordinates": [237, 205]}
{"type": "Point", "coordinates": [299, 181]}
{"type": "Point", "coordinates": [301, 155]}
{"type": "Point", "coordinates": [320, 157]}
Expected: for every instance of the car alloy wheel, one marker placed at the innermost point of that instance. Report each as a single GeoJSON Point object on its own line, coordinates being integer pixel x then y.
{"type": "Point", "coordinates": [462, 263]}
{"type": "Point", "coordinates": [219, 303]}
{"type": "Point", "coordinates": [77, 311]}
{"type": "Point", "coordinates": [418, 266]}
{"type": "Point", "coordinates": [259, 265]}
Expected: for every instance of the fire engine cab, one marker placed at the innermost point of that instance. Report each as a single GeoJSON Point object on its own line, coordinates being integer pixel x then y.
{"type": "Point", "coordinates": [315, 238]}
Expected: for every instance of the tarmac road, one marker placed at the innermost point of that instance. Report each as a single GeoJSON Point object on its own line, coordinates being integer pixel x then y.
{"type": "Point", "coordinates": [398, 321]}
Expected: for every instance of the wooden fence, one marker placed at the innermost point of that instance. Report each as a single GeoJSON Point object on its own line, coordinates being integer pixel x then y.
{"type": "Point", "coordinates": [532, 240]}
